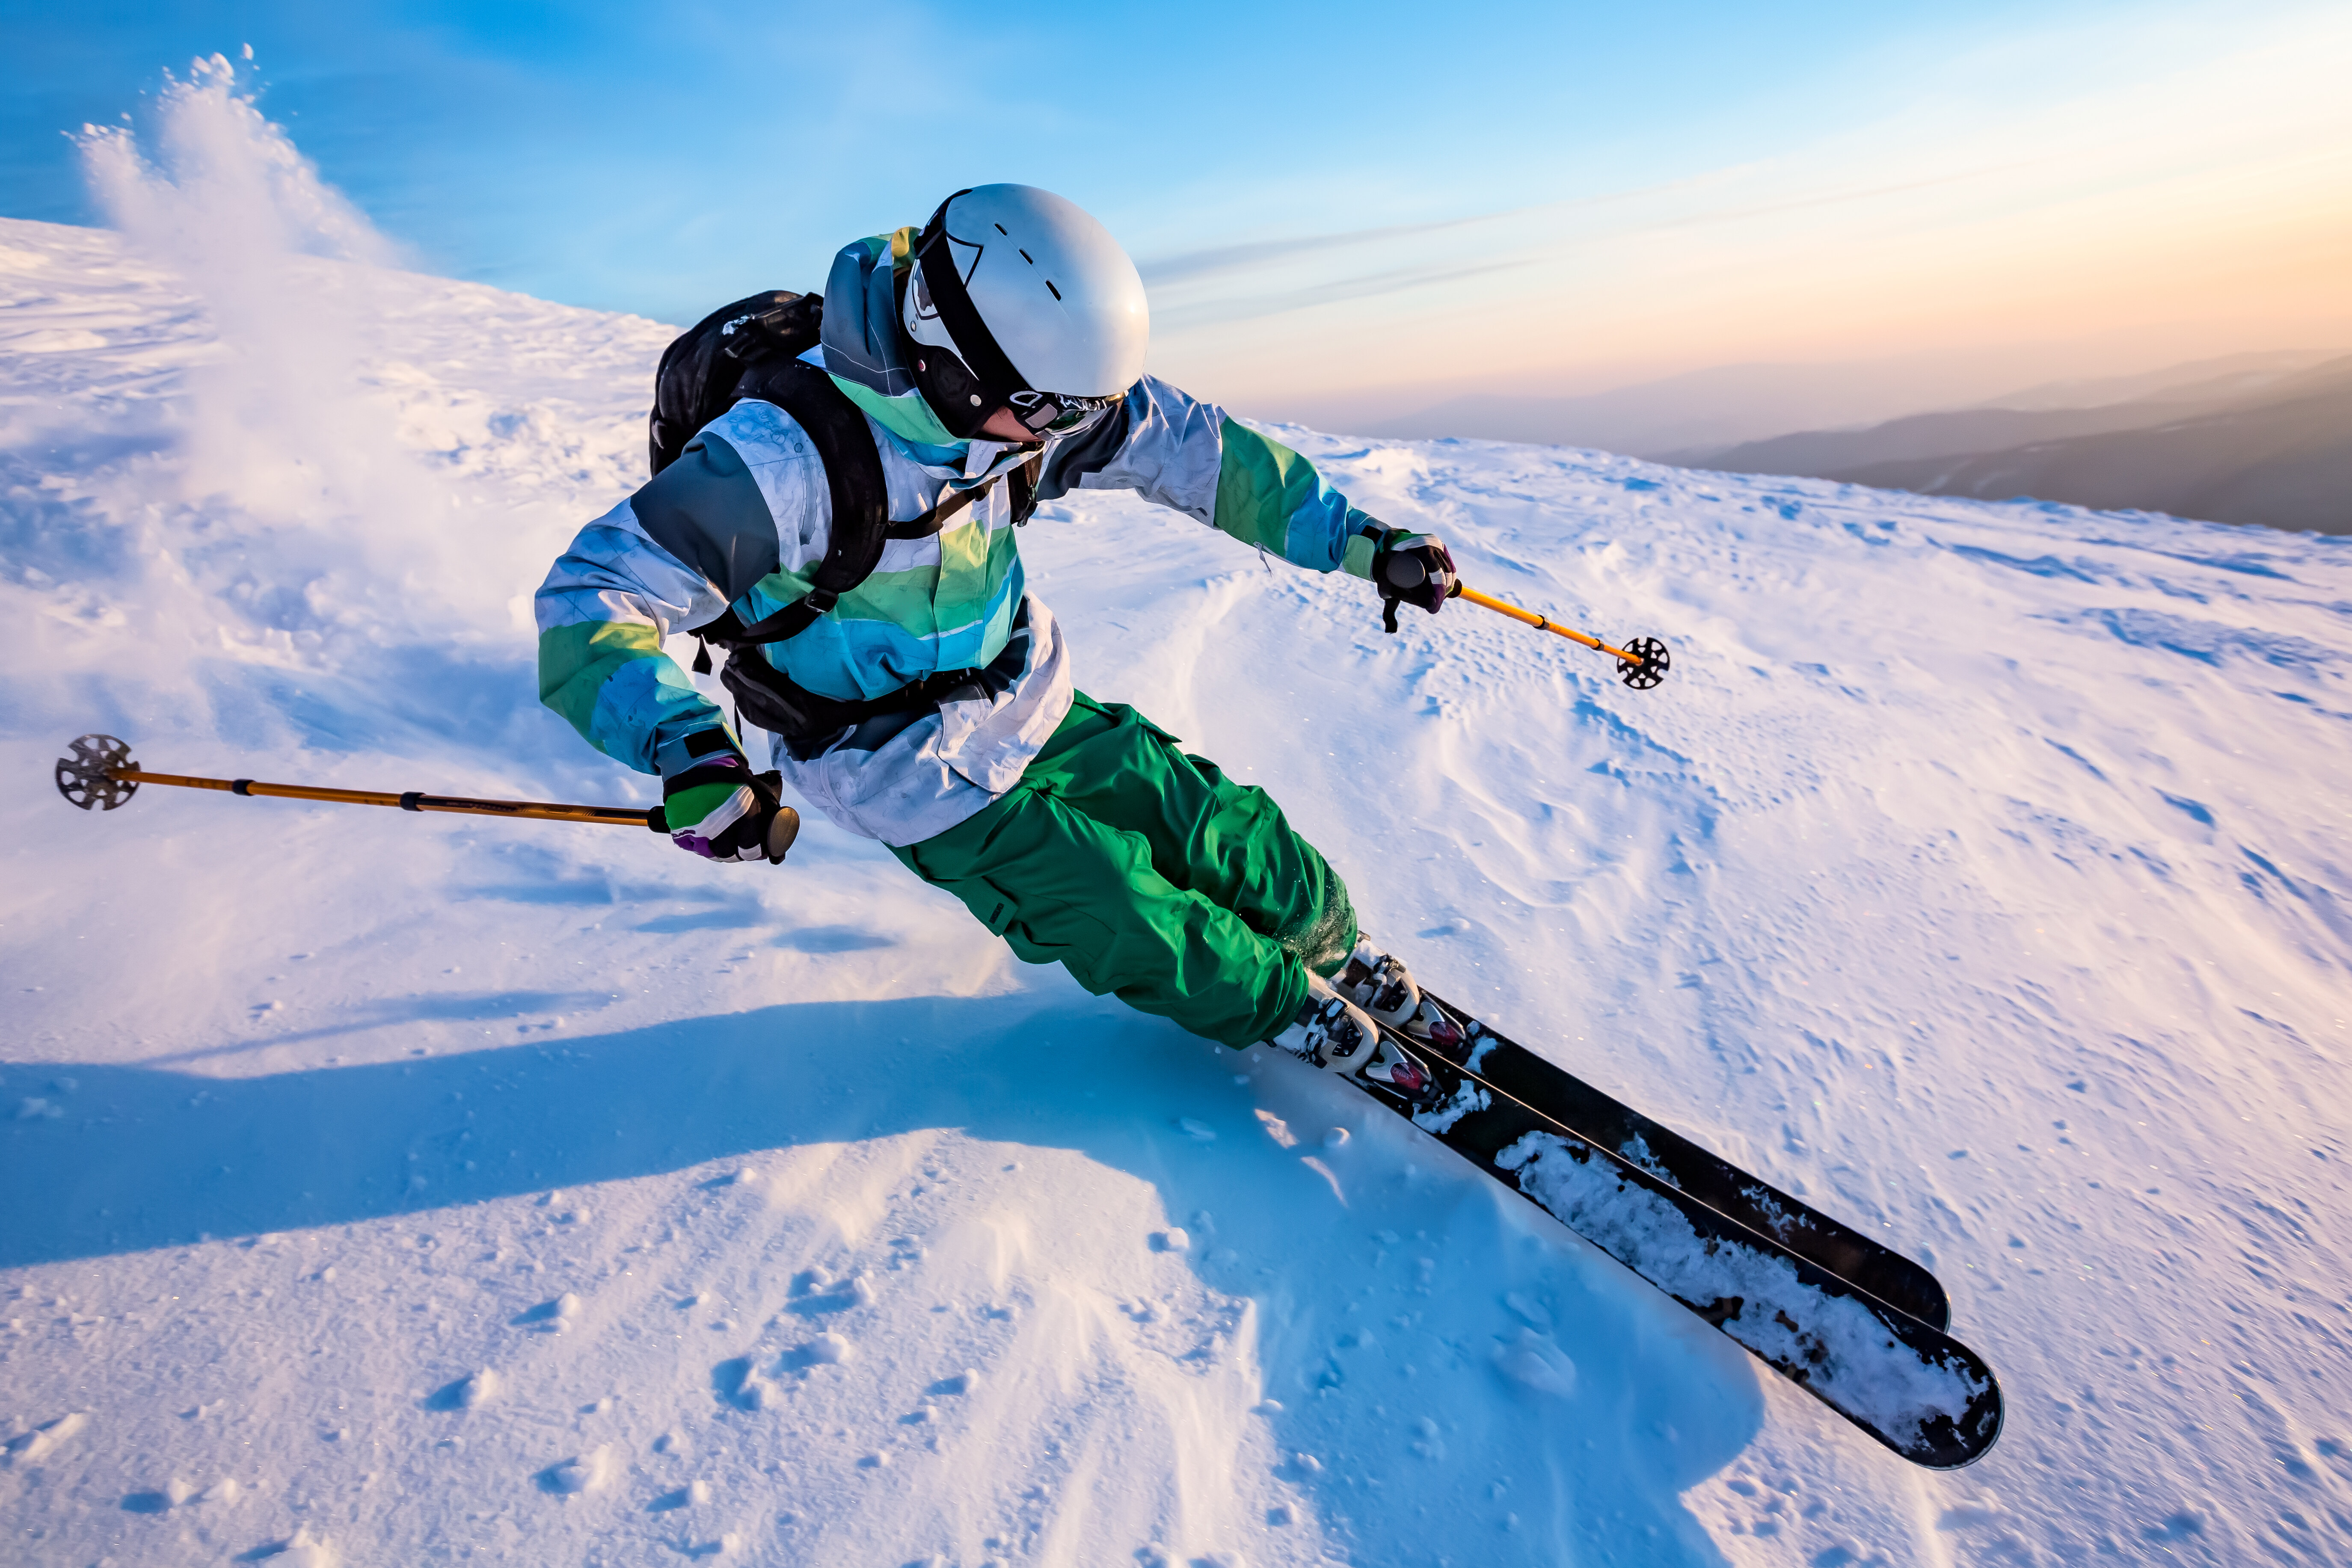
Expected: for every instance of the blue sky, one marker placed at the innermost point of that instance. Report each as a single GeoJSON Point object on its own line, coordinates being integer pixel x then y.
{"type": "Point", "coordinates": [1555, 195]}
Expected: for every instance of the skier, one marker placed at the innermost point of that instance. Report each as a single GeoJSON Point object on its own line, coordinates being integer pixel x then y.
{"type": "Point", "coordinates": [991, 359]}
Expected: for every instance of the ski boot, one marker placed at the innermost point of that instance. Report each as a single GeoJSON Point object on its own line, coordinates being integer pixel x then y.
{"type": "Point", "coordinates": [1380, 983]}
{"type": "Point", "coordinates": [1333, 1032]}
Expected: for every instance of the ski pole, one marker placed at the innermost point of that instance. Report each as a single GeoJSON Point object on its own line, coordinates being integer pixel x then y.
{"type": "Point", "coordinates": [1642, 663]}
{"type": "Point", "coordinates": [99, 774]}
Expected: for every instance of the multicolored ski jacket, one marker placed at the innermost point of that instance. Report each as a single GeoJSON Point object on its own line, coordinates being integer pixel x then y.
{"type": "Point", "coordinates": [953, 600]}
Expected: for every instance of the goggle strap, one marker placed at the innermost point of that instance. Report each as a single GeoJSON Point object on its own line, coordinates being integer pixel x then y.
{"type": "Point", "coordinates": [935, 255]}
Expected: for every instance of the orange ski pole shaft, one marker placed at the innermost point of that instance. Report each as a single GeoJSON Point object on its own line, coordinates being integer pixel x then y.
{"type": "Point", "coordinates": [98, 773]}
{"type": "Point", "coordinates": [1640, 665]}
{"type": "Point", "coordinates": [407, 800]}
{"type": "Point", "coordinates": [1544, 624]}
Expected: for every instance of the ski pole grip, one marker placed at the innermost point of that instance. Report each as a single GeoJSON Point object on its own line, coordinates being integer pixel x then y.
{"type": "Point", "coordinates": [783, 829]}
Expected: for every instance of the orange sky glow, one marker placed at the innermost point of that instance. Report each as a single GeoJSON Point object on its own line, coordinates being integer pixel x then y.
{"type": "Point", "coordinates": [2199, 203]}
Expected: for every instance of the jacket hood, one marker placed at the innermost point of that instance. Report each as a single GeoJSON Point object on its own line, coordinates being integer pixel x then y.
{"type": "Point", "coordinates": [865, 352]}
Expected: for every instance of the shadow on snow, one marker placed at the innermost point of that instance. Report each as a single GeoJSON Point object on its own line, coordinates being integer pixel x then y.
{"type": "Point", "coordinates": [144, 1158]}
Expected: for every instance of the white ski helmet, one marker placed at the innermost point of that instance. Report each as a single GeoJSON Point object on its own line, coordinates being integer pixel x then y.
{"type": "Point", "coordinates": [1037, 307]}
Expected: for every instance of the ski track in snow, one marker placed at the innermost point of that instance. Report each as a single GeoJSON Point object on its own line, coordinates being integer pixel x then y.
{"type": "Point", "coordinates": [393, 1189]}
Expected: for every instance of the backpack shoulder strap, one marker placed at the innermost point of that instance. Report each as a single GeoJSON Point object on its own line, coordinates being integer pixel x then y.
{"type": "Point", "coordinates": [853, 476]}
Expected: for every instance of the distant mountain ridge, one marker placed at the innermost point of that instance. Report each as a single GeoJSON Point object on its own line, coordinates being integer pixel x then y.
{"type": "Point", "coordinates": [2280, 457]}
{"type": "Point", "coordinates": [2020, 419]}
{"type": "Point", "coordinates": [2259, 439]}
{"type": "Point", "coordinates": [2217, 377]}
{"type": "Point", "coordinates": [1695, 417]}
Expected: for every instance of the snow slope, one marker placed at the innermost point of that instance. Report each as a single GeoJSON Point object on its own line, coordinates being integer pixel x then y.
{"type": "Point", "coordinates": [386, 1189]}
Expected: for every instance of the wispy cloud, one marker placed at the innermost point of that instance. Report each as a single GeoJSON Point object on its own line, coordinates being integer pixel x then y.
{"type": "Point", "coordinates": [1197, 264]}
{"type": "Point", "coordinates": [1250, 307]}
{"type": "Point", "coordinates": [1192, 265]}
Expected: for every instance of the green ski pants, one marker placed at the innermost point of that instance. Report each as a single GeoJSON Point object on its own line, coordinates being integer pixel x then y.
{"type": "Point", "coordinates": [1149, 876]}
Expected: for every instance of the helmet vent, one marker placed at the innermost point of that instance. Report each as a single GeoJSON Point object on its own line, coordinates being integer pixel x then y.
{"type": "Point", "coordinates": [1004, 231]}
{"type": "Point", "coordinates": [1049, 283]}
{"type": "Point", "coordinates": [1026, 257]}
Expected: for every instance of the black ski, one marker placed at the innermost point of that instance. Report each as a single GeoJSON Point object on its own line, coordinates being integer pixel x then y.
{"type": "Point", "coordinates": [1706, 1177]}
{"type": "Point", "coordinates": [1907, 1384]}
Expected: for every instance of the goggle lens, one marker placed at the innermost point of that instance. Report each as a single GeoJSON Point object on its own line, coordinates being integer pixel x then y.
{"type": "Point", "coordinates": [1043, 412]}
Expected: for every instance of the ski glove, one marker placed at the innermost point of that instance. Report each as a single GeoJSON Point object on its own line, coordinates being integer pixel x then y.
{"type": "Point", "coordinates": [1413, 569]}
{"type": "Point", "coordinates": [720, 809]}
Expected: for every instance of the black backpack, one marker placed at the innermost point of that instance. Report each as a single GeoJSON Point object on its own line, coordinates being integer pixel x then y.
{"type": "Point", "coordinates": [701, 372]}
{"type": "Point", "coordinates": [752, 348]}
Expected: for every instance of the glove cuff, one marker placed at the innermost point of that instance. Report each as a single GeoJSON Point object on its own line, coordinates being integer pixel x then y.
{"type": "Point", "coordinates": [711, 790]}
{"type": "Point", "coordinates": [710, 757]}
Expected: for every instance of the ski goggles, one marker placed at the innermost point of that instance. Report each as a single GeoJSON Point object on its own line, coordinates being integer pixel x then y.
{"type": "Point", "coordinates": [1056, 413]}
